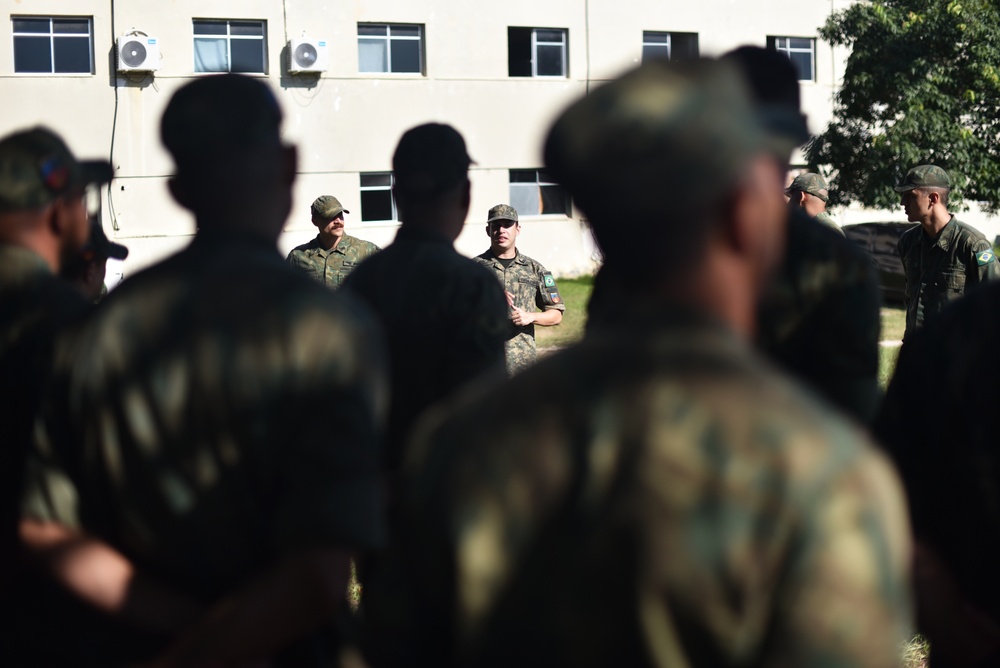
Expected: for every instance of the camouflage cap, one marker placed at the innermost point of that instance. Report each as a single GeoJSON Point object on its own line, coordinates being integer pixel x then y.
{"type": "Point", "coordinates": [924, 176]}
{"type": "Point", "coordinates": [428, 160]}
{"type": "Point", "coordinates": [36, 167]}
{"type": "Point", "coordinates": [688, 123]}
{"type": "Point", "coordinates": [502, 212]}
{"type": "Point", "coordinates": [811, 183]}
{"type": "Point", "coordinates": [100, 246]}
{"type": "Point", "coordinates": [327, 207]}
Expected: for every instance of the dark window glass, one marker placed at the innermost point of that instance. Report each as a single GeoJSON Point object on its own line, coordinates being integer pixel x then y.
{"type": "Point", "coordinates": [549, 36]}
{"type": "Point", "coordinates": [209, 27]}
{"type": "Point", "coordinates": [376, 179]}
{"type": "Point", "coordinates": [684, 45]}
{"type": "Point", "coordinates": [247, 55]}
{"type": "Point", "coordinates": [550, 61]}
{"type": "Point", "coordinates": [519, 52]}
{"type": "Point", "coordinates": [31, 25]}
{"type": "Point", "coordinates": [654, 51]}
{"type": "Point", "coordinates": [650, 37]}
{"type": "Point", "coordinates": [554, 200]}
{"type": "Point", "coordinates": [523, 176]}
{"type": "Point", "coordinates": [376, 205]}
{"type": "Point", "coordinates": [72, 54]}
{"type": "Point", "coordinates": [405, 55]}
{"type": "Point", "coordinates": [803, 64]}
{"type": "Point", "coordinates": [370, 29]}
{"type": "Point", "coordinates": [404, 31]}
{"type": "Point", "coordinates": [799, 43]}
{"type": "Point", "coordinates": [71, 26]}
{"type": "Point", "coordinates": [32, 54]}
{"type": "Point", "coordinates": [246, 28]}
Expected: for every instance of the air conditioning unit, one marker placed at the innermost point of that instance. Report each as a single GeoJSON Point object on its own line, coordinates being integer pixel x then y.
{"type": "Point", "coordinates": [307, 55]}
{"type": "Point", "coordinates": [138, 53]}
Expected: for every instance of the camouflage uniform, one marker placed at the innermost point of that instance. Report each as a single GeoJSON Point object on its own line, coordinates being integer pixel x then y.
{"type": "Point", "coordinates": [819, 319]}
{"type": "Point", "coordinates": [663, 498]}
{"type": "Point", "coordinates": [936, 423]}
{"type": "Point", "coordinates": [219, 410]}
{"type": "Point", "coordinates": [534, 289]}
{"type": "Point", "coordinates": [814, 184]}
{"type": "Point", "coordinates": [331, 266]}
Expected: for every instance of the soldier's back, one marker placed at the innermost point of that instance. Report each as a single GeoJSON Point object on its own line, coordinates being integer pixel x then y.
{"type": "Point", "coordinates": [655, 496]}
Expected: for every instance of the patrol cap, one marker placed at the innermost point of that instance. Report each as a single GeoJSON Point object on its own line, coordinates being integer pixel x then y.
{"type": "Point", "coordinates": [688, 125]}
{"type": "Point", "coordinates": [502, 212]}
{"type": "Point", "coordinates": [327, 207]}
{"type": "Point", "coordinates": [100, 246]}
{"type": "Point", "coordinates": [811, 183]}
{"type": "Point", "coordinates": [218, 117]}
{"type": "Point", "coordinates": [924, 176]}
{"type": "Point", "coordinates": [36, 167]}
{"type": "Point", "coordinates": [429, 160]}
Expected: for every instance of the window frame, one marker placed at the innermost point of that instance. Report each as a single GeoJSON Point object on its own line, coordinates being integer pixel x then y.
{"type": "Point", "coordinates": [538, 184]}
{"type": "Point", "coordinates": [228, 37]}
{"type": "Point", "coordinates": [362, 189]}
{"type": "Point", "coordinates": [788, 50]}
{"type": "Point", "coordinates": [52, 36]}
{"type": "Point", "coordinates": [388, 38]}
{"type": "Point", "coordinates": [674, 40]}
{"type": "Point", "coordinates": [533, 43]}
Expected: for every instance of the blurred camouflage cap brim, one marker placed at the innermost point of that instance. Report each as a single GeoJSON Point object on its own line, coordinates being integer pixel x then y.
{"type": "Point", "coordinates": [36, 167]}
{"type": "Point", "coordinates": [327, 207]}
{"type": "Point", "coordinates": [811, 183]}
{"type": "Point", "coordinates": [502, 212]}
{"type": "Point", "coordinates": [689, 124]}
{"type": "Point", "coordinates": [924, 176]}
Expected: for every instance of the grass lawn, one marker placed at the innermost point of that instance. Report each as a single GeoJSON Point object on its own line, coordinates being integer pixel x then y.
{"type": "Point", "coordinates": [575, 294]}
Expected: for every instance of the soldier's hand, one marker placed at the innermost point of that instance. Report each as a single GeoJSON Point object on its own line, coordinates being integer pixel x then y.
{"type": "Point", "coordinates": [510, 298]}
{"type": "Point", "coordinates": [520, 317]}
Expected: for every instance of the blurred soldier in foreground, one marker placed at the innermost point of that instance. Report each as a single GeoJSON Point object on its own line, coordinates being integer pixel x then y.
{"type": "Point", "coordinates": [194, 408]}
{"type": "Point", "coordinates": [936, 422]}
{"type": "Point", "coordinates": [819, 317]}
{"type": "Point", "coordinates": [658, 495]}
{"type": "Point", "coordinates": [531, 291]}
{"type": "Point", "coordinates": [43, 225]}
{"type": "Point", "coordinates": [89, 268]}
{"type": "Point", "coordinates": [943, 258]}
{"type": "Point", "coordinates": [444, 316]}
{"type": "Point", "coordinates": [333, 254]}
{"type": "Point", "coordinates": [810, 192]}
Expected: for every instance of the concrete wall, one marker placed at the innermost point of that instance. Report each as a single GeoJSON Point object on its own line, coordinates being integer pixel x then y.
{"type": "Point", "coordinates": [346, 122]}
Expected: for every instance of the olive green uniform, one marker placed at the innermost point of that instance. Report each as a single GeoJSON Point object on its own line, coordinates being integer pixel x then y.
{"type": "Point", "coordinates": [663, 498]}
{"type": "Point", "coordinates": [534, 289]}
{"type": "Point", "coordinates": [331, 266]}
{"type": "Point", "coordinates": [942, 269]}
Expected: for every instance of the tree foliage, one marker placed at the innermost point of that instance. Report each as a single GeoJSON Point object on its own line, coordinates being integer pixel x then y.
{"type": "Point", "coordinates": [922, 85]}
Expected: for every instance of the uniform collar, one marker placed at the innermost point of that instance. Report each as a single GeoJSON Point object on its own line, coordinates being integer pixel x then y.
{"type": "Point", "coordinates": [518, 257]}
{"type": "Point", "coordinates": [345, 243]}
{"type": "Point", "coordinates": [946, 237]}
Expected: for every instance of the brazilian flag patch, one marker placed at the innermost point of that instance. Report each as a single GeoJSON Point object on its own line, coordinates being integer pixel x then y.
{"type": "Point", "coordinates": [551, 282]}
{"type": "Point", "coordinates": [985, 257]}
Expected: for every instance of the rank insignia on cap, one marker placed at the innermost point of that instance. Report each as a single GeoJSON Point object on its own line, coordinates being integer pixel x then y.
{"type": "Point", "coordinates": [555, 297]}
{"type": "Point", "coordinates": [549, 281]}
{"type": "Point", "coordinates": [985, 257]}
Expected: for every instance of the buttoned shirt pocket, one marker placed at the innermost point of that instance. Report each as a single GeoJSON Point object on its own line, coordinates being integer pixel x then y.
{"type": "Point", "coordinates": [527, 291]}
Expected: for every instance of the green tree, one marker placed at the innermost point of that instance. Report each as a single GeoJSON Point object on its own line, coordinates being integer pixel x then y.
{"type": "Point", "coordinates": [922, 85]}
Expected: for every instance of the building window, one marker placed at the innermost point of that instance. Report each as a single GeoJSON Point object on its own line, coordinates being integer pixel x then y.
{"type": "Point", "coordinates": [537, 52]}
{"type": "Point", "coordinates": [801, 51]}
{"type": "Point", "coordinates": [669, 45]}
{"type": "Point", "coordinates": [53, 45]}
{"type": "Point", "coordinates": [533, 193]}
{"type": "Point", "coordinates": [376, 197]}
{"type": "Point", "coordinates": [221, 45]}
{"type": "Point", "coordinates": [390, 48]}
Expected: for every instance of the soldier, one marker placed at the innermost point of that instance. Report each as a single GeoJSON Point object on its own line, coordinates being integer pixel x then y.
{"type": "Point", "coordinates": [936, 422]}
{"type": "Point", "coordinates": [333, 254]}
{"type": "Point", "coordinates": [531, 291]}
{"type": "Point", "coordinates": [657, 495]}
{"type": "Point", "coordinates": [445, 316]}
{"type": "Point", "coordinates": [809, 192]}
{"type": "Point", "coordinates": [198, 402]}
{"type": "Point", "coordinates": [88, 270]}
{"type": "Point", "coordinates": [943, 258]}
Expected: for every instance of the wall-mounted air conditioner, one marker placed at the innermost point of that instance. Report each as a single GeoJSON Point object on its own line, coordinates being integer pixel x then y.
{"type": "Point", "coordinates": [307, 55]}
{"type": "Point", "coordinates": [138, 53]}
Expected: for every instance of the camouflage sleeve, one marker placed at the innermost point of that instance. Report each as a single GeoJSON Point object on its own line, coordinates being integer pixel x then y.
{"type": "Point", "coordinates": [982, 265]}
{"type": "Point", "coordinates": [846, 600]}
{"type": "Point", "coordinates": [548, 291]}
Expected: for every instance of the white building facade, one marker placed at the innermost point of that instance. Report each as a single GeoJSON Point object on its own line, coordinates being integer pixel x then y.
{"type": "Point", "coordinates": [498, 72]}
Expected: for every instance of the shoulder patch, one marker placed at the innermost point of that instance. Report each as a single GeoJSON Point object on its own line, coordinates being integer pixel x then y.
{"type": "Point", "coordinates": [985, 257]}
{"type": "Point", "coordinates": [549, 281]}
